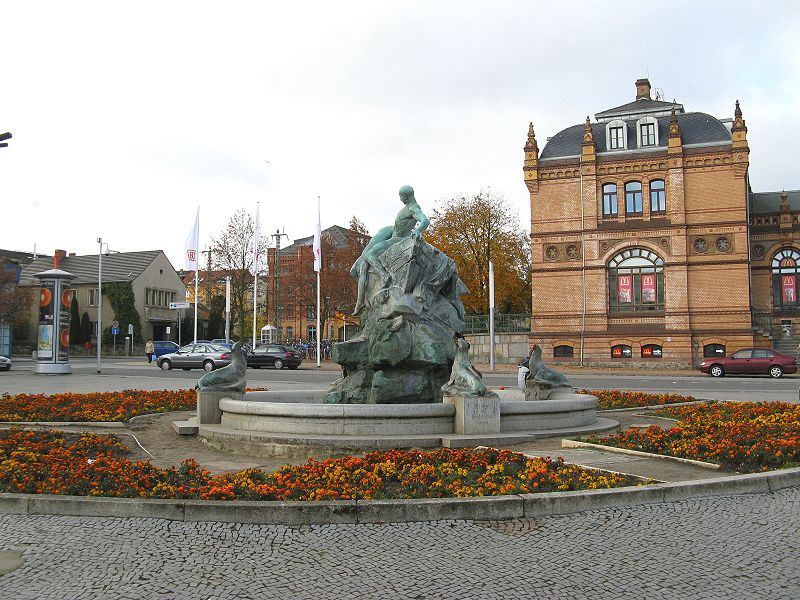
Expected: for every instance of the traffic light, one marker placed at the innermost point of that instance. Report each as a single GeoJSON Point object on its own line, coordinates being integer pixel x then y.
{"type": "Point", "coordinates": [3, 137]}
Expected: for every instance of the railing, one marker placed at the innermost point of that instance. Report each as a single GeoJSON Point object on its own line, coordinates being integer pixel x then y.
{"type": "Point", "coordinates": [503, 323]}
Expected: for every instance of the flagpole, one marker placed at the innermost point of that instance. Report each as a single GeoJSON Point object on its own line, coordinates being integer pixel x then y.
{"type": "Point", "coordinates": [318, 288]}
{"type": "Point", "coordinates": [255, 276]}
{"type": "Point", "coordinates": [196, 269]}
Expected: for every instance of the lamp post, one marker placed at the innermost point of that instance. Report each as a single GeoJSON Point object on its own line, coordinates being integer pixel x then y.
{"type": "Point", "coordinates": [99, 301]}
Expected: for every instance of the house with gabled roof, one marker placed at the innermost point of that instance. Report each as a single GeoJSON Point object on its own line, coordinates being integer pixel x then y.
{"type": "Point", "coordinates": [152, 279]}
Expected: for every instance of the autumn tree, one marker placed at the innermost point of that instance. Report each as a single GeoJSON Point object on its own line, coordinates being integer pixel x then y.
{"type": "Point", "coordinates": [361, 235]}
{"type": "Point", "coordinates": [232, 252]}
{"type": "Point", "coordinates": [477, 229]}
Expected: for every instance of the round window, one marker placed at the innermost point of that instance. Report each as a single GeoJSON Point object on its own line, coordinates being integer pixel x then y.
{"type": "Point", "coordinates": [551, 252]}
{"type": "Point", "coordinates": [723, 244]}
{"type": "Point", "coordinates": [700, 245]}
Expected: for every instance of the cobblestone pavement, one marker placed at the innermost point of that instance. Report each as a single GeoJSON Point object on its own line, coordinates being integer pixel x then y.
{"type": "Point", "coordinates": [722, 547]}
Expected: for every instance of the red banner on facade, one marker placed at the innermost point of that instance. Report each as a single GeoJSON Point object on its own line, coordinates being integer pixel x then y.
{"type": "Point", "coordinates": [625, 288]}
{"type": "Point", "coordinates": [789, 288]}
{"type": "Point", "coordinates": [649, 288]}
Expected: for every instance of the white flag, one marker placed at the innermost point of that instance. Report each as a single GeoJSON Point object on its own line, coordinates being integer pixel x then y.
{"type": "Point", "coordinates": [192, 248]}
{"type": "Point", "coordinates": [318, 243]}
{"type": "Point", "coordinates": [255, 245]}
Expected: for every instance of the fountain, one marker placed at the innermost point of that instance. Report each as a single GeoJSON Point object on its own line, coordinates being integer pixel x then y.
{"type": "Point", "coordinates": [407, 380]}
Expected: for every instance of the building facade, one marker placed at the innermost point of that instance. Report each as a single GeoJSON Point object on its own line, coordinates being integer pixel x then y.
{"type": "Point", "coordinates": [648, 245]}
{"type": "Point", "coordinates": [153, 282]}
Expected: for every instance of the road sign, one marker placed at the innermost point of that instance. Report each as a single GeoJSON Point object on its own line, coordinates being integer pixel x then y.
{"type": "Point", "coordinates": [177, 305]}
{"type": "Point", "coordinates": [169, 329]}
{"type": "Point", "coordinates": [115, 331]}
{"type": "Point", "coordinates": [130, 329]}
{"type": "Point", "coordinates": [115, 324]}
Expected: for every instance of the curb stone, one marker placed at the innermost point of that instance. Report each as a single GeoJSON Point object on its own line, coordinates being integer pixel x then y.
{"type": "Point", "coordinates": [565, 443]}
{"type": "Point", "coordinates": [486, 508]}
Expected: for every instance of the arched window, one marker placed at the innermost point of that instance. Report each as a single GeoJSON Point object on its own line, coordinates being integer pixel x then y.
{"type": "Point", "coordinates": [784, 279]}
{"type": "Point", "coordinates": [610, 199]}
{"type": "Point", "coordinates": [633, 198]}
{"type": "Point", "coordinates": [651, 351]}
{"type": "Point", "coordinates": [658, 196]}
{"type": "Point", "coordinates": [647, 132]}
{"type": "Point", "coordinates": [563, 351]}
{"type": "Point", "coordinates": [636, 281]}
{"type": "Point", "coordinates": [616, 135]}
{"type": "Point", "coordinates": [713, 350]}
{"type": "Point", "coordinates": [621, 351]}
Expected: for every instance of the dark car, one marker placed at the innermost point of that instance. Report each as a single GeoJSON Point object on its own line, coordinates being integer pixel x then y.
{"type": "Point", "coordinates": [750, 361]}
{"type": "Point", "coordinates": [275, 356]}
{"type": "Point", "coordinates": [196, 356]}
{"type": "Point", "coordinates": [161, 348]}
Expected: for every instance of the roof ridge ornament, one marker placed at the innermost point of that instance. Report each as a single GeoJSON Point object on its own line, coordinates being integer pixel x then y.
{"type": "Point", "coordinates": [531, 145]}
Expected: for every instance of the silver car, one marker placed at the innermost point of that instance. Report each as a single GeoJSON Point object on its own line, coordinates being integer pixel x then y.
{"type": "Point", "coordinates": [196, 356]}
{"type": "Point", "coordinates": [5, 363]}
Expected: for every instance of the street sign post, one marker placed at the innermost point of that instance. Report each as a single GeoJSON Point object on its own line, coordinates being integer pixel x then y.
{"type": "Point", "coordinates": [179, 305]}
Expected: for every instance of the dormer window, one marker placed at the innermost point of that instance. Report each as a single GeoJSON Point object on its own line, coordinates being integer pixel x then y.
{"type": "Point", "coordinates": [647, 132]}
{"type": "Point", "coordinates": [616, 134]}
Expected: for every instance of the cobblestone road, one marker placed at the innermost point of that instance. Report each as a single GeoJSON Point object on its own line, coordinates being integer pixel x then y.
{"type": "Point", "coordinates": [724, 547]}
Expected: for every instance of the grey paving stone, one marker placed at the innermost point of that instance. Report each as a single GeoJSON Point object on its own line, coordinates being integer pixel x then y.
{"type": "Point", "coordinates": [715, 547]}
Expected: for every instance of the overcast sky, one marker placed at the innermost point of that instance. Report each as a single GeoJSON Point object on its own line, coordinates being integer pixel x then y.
{"type": "Point", "coordinates": [128, 116]}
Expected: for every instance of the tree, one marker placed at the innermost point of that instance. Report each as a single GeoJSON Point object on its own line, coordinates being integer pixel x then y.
{"type": "Point", "coordinates": [86, 327]}
{"type": "Point", "coordinates": [216, 317]}
{"type": "Point", "coordinates": [362, 233]}
{"type": "Point", "coordinates": [75, 323]}
{"type": "Point", "coordinates": [14, 300]}
{"type": "Point", "coordinates": [232, 252]}
{"type": "Point", "coordinates": [481, 228]}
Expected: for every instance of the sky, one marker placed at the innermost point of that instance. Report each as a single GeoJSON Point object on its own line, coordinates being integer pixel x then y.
{"type": "Point", "coordinates": [128, 116]}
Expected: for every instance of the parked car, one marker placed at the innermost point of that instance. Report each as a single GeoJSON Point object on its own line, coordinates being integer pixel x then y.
{"type": "Point", "coordinates": [275, 356]}
{"type": "Point", "coordinates": [196, 356]}
{"type": "Point", "coordinates": [161, 348]}
{"type": "Point", "coordinates": [750, 361]}
{"type": "Point", "coordinates": [5, 363]}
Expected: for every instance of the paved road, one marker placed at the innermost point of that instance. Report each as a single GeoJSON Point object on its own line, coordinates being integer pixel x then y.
{"type": "Point", "coordinates": [723, 547]}
{"type": "Point", "coordinates": [121, 374]}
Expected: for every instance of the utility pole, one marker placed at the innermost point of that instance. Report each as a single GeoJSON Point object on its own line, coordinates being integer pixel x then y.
{"type": "Point", "coordinates": [276, 297]}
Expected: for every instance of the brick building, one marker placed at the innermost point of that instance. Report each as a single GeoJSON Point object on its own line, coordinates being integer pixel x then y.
{"type": "Point", "coordinates": [292, 285]}
{"type": "Point", "coordinates": [647, 243]}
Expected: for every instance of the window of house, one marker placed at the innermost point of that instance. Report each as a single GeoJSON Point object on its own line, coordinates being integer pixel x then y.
{"type": "Point", "coordinates": [312, 333]}
{"type": "Point", "coordinates": [172, 297]}
{"type": "Point", "coordinates": [563, 351]}
{"type": "Point", "coordinates": [636, 281]}
{"type": "Point", "coordinates": [290, 311]}
{"type": "Point", "coordinates": [621, 351]}
{"type": "Point", "coordinates": [147, 296]}
{"type": "Point", "coordinates": [784, 280]}
{"type": "Point", "coordinates": [713, 350]}
{"type": "Point", "coordinates": [610, 199]}
{"type": "Point", "coordinates": [647, 134]}
{"type": "Point", "coordinates": [651, 351]}
{"type": "Point", "coordinates": [290, 333]}
{"type": "Point", "coordinates": [616, 137]}
{"type": "Point", "coordinates": [93, 297]}
{"type": "Point", "coordinates": [311, 312]}
{"type": "Point", "coordinates": [633, 198]}
{"type": "Point", "coordinates": [658, 196]}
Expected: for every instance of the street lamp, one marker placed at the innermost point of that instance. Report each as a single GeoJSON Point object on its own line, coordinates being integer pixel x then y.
{"type": "Point", "coordinates": [99, 301]}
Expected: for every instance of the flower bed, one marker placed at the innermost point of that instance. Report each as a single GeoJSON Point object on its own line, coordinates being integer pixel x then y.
{"type": "Point", "coordinates": [100, 406]}
{"type": "Point", "coordinates": [739, 436]}
{"type": "Point", "coordinates": [49, 462]}
{"type": "Point", "coordinates": [609, 399]}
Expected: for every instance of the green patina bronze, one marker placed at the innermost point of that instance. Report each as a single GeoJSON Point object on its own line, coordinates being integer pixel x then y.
{"type": "Point", "coordinates": [409, 299]}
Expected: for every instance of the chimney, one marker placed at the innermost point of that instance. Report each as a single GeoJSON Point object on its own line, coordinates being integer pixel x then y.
{"type": "Point", "coordinates": [72, 254]}
{"type": "Point", "coordinates": [643, 89]}
{"type": "Point", "coordinates": [59, 254]}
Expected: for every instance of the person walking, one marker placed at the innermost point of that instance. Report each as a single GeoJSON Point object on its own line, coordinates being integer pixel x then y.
{"type": "Point", "coordinates": [148, 350]}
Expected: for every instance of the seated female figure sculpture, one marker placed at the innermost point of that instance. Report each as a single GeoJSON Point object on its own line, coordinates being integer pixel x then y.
{"type": "Point", "coordinates": [410, 222]}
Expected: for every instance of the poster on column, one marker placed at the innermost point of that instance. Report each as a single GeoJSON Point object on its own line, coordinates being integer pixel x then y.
{"type": "Point", "coordinates": [649, 288]}
{"type": "Point", "coordinates": [47, 302]}
{"type": "Point", "coordinates": [789, 288]}
{"type": "Point", "coordinates": [63, 323]}
{"type": "Point", "coordinates": [625, 289]}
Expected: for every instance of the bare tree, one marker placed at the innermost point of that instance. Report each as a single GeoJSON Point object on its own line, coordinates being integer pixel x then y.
{"type": "Point", "coordinates": [232, 252]}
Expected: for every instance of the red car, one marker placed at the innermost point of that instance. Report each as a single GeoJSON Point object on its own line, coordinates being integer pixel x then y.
{"type": "Point", "coordinates": [750, 361]}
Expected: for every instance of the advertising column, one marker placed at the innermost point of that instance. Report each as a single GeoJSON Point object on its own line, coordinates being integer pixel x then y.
{"type": "Point", "coordinates": [55, 299]}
